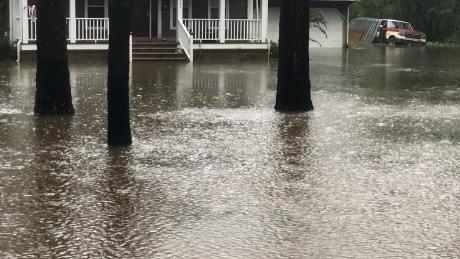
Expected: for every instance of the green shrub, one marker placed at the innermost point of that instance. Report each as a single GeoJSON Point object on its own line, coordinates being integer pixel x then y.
{"type": "Point", "coordinates": [273, 50]}
{"type": "Point", "coordinates": [7, 49]}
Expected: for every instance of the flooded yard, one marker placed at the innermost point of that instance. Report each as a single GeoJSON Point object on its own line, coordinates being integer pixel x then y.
{"type": "Point", "coordinates": [215, 172]}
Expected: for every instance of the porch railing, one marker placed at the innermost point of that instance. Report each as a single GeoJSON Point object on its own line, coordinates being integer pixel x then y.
{"type": "Point", "coordinates": [92, 29]}
{"type": "Point", "coordinates": [235, 29]}
{"type": "Point", "coordinates": [203, 29]}
{"type": "Point", "coordinates": [32, 29]}
{"type": "Point", "coordinates": [243, 29]}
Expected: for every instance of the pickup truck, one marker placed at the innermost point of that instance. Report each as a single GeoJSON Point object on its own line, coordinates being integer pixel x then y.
{"type": "Point", "coordinates": [399, 32]}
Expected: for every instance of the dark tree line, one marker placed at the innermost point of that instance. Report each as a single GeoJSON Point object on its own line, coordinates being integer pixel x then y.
{"type": "Point", "coordinates": [440, 19]}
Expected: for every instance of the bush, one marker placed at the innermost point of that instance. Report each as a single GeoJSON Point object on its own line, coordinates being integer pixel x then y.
{"type": "Point", "coordinates": [273, 50]}
{"type": "Point", "coordinates": [7, 49]}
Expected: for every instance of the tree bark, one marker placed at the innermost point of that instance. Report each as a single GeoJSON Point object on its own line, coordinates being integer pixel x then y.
{"type": "Point", "coordinates": [119, 129]}
{"type": "Point", "coordinates": [293, 91]}
{"type": "Point", "coordinates": [53, 94]}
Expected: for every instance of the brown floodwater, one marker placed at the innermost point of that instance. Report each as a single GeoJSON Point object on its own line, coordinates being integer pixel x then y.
{"type": "Point", "coordinates": [215, 172]}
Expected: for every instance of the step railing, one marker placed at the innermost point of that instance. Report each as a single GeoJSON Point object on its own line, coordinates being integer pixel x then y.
{"type": "Point", "coordinates": [243, 29]}
{"type": "Point", "coordinates": [131, 47]}
{"type": "Point", "coordinates": [185, 39]}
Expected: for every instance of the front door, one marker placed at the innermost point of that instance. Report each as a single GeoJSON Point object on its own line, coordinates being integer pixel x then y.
{"type": "Point", "coordinates": [140, 18]}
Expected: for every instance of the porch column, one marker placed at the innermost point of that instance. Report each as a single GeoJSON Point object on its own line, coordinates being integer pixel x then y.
{"type": "Point", "coordinates": [159, 18]}
{"type": "Point", "coordinates": [250, 16]}
{"type": "Point", "coordinates": [180, 13]}
{"type": "Point", "coordinates": [347, 27]}
{"type": "Point", "coordinates": [72, 22]}
{"type": "Point", "coordinates": [264, 10]}
{"type": "Point", "coordinates": [250, 9]}
{"type": "Point", "coordinates": [10, 13]}
{"type": "Point", "coordinates": [222, 21]}
{"type": "Point", "coordinates": [25, 22]}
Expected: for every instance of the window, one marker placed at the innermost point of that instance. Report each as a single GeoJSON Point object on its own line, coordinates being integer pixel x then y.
{"type": "Point", "coordinates": [96, 8]}
{"type": "Point", "coordinates": [403, 25]}
{"type": "Point", "coordinates": [391, 24]}
{"type": "Point", "coordinates": [187, 12]}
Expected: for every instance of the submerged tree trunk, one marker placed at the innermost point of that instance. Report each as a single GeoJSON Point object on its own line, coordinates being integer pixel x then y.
{"type": "Point", "coordinates": [53, 95]}
{"type": "Point", "coordinates": [293, 93]}
{"type": "Point", "coordinates": [119, 129]}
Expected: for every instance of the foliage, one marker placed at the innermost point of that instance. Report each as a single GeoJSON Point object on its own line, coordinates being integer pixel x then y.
{"type": "Point", "coordinates": [439, 19]}
{"type": "Point", "coordinates": [274, 50]}
{"type": "Point", "coordinates": [317, 21]}
{"type": "Point", "coordinates": [7, 49]}
{"type": "Point", "coordinates": [443, 44]}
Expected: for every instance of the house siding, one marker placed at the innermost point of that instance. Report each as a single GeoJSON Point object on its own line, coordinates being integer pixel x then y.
{"type": "Point", "coordinates": [333, 12]}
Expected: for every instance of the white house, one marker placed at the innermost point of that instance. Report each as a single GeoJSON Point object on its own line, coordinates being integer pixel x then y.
{"type": "Point", "coordinates": [196, 25]}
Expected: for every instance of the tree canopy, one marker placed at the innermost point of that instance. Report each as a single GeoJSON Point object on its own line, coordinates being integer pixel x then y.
{"type": "Point", "coordinates": [439, 19]}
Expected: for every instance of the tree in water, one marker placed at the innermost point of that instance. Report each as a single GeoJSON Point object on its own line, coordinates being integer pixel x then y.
{"type": "Point", "coordinates": [53, 95]}
{"type": "Point", "coordinates": [119, 129]}
{"type": "Point", "coordinates": [293, 93]}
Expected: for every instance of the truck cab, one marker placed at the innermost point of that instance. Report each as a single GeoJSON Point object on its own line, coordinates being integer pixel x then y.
{"type": "Point", "coordinates": [399, 32]}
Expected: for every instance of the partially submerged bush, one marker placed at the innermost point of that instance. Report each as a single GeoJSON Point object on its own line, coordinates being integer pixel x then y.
{"type": "Point", "coordinates": [7, 49]}
{"type": "Point", "coordinates": [274, 50]}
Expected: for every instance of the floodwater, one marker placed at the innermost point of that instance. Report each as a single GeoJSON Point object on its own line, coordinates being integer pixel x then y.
{"type": "Point", "coordinates": [214, 172]}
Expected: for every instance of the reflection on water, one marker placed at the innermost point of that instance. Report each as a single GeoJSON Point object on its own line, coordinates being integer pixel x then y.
{"type": "Point", "coordinates": [214, 172]}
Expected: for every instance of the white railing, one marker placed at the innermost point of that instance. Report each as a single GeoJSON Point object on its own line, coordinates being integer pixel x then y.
{"type": "Point", "coordinates": [92, 29]}
{"type": "Point", "coordinates": [243, 29]}
{"type": "Point", "coordinates": [32, 29]}
{"type": "Point", "coordinates": [130, 47]}
{"type": "Point", "coordinates": [185, 40]}
{"type": "Point", "coordinates": [18, 51]}
{"type": "Point", "coordinates": [203, 29]}
{"type": "Point", "coordinates": [235, 29]}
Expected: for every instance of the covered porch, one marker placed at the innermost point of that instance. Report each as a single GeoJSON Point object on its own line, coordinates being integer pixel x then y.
{"type": "Point", "coordinates": [203, 21]}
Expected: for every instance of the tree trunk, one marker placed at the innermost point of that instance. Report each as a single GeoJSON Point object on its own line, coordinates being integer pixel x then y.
{"type": "Point", "coordinates": [53, 95]}
{"type": "Point", "coordinates": [119, 129]}
{"type": "Point", "coordinates": [293, 93]}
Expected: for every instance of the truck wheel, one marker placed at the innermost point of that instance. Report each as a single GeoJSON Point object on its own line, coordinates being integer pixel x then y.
{"type": "Point", "coordinates": [392, 41]}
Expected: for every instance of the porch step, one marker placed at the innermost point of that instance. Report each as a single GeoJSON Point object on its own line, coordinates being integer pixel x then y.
{"type": "Point", "coordinates": [154, 45]}
{"type": "Point", "coordinates": [146, 49]}
{"type": "Point", "coordinates": [154, 50]}
{"type": "Point", "coordinates": [156, 55]}
{"type": "Point", "coordinates": [162, 59]}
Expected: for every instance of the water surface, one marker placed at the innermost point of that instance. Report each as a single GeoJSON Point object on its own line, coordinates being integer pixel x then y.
{"type": "Point", "coordinates": [214, 172]}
